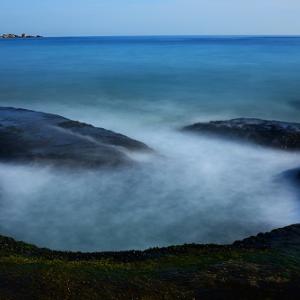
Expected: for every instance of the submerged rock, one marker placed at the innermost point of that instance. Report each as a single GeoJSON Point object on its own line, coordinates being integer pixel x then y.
{"type": "Point", "coordinates": [293, 174]}
{"type": "Point", "coordinates": [275, 134]}
{"type": "Point", "coordinates": [291, 177]}
{"type": "Point", "coordinates": [29, 136]}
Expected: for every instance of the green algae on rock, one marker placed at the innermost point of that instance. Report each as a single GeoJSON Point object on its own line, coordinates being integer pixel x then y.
{"type": "Point", "coordinates": [263, 267]}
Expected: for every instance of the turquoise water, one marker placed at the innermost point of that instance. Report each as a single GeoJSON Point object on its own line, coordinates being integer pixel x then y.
{"type": "Point", "coordinates": [170, 79]}
{"type": "Point", "coordinates": [199, 190]}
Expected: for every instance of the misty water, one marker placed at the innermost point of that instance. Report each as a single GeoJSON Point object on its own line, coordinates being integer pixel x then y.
{"type": "Point", "coordinates": [194, 188]}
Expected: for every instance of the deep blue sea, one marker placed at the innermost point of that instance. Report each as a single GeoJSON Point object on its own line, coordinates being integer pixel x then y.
{"type": "Point", "coordinates": [199, 190]}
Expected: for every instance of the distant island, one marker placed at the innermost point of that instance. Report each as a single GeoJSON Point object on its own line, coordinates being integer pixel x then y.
{"type": "Point", "coordinates": [16, 36]}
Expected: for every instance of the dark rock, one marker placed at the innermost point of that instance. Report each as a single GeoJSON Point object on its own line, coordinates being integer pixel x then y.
{"type": "Point", "coordinates": [15, 36]}
{"type": "Point", "coordinates": [263, 267]}
{"type": "Point", "coordinates": [287, 238]}
{"type": "Point", "coordinates": [274, 134]}
{"type": "Point", "coordinates": [9, 36]}
{"type": "Point", "coordinates": [293, 175]}
{"type": "Point", "coordinates": [29, 136]}
{"type": "Point", "coordinates": [292, 178]}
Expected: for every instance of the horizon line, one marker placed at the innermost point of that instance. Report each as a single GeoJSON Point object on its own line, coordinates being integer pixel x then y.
{"type": "Point", "coordinates": [174, 35]}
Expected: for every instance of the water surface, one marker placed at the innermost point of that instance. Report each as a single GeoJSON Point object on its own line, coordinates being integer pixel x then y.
{"type": "Point", "coordinates": [198, 189]}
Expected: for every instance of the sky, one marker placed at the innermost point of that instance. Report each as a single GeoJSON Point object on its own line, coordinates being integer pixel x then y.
{"type": "Point", "coordinates": [150, 17]}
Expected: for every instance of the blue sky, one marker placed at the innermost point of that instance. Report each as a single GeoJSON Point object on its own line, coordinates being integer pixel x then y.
{"type": "Point", "coordinates": [150, 17]}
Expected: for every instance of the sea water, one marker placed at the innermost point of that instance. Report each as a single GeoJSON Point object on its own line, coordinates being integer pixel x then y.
{"type": "Point", "coordinates": [196, 189]}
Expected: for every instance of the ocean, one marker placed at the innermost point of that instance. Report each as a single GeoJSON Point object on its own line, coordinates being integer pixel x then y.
{"type": "Point", "coordinates": [197, 189]}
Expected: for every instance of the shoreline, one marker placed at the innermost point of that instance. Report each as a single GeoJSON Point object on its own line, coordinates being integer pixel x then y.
{"type": "Point", "coordinates": [266, 266]}
{"type": "Point", "coordinates": [254, 241]}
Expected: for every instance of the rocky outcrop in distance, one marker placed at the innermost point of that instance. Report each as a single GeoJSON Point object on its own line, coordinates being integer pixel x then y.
{"type": "Point", "coordinates": [273, 134]}
{"type": "Point", "coordinates": [28, 136]}
{"type": "Point", "coordinates": [16, 36]}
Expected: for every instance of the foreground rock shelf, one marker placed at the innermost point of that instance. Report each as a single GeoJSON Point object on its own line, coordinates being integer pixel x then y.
{"type": "Point", "coordinates": [28, 136]}
{"type": "Point", "coordinates": [263, 267]}
{"type": "Point", "coordinates": [274, 134]}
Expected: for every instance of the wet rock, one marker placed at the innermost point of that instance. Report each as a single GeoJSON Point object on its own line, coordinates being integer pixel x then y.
{"type": "Point", "coordinates": [274, 134]}
{"type": "Point", "coordinates": [29, 136]}
{"type": "Point", "coordinates": [292, 178]}
{"type": "Point", "coordinates": [293, 175]}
